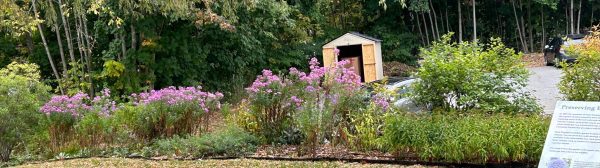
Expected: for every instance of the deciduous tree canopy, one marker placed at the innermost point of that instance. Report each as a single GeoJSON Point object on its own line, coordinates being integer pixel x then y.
{"type": "Point", "coordinates": [130, 46]}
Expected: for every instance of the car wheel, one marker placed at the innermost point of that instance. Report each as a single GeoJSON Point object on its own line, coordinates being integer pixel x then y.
{"type": "Point", "coordinates": [547, 61]}
{"type": "Point", "coordinates": [556, 62]}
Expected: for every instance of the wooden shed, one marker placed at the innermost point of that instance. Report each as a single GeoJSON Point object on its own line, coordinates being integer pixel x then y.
{"type": "Point", "coordinates": [363, 52]}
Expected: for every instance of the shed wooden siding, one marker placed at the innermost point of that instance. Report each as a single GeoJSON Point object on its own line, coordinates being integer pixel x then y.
{"type": "Point", "coordinates": [369, 60]}
{"type": "Point", "coordinates": [328, 57]}
{"type": "Point", "coordinates": [378, 60]}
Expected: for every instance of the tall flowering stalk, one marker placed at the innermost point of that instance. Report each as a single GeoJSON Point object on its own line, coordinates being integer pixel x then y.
{"type": "Point", "coordinates": [173, 111]}
{"type": "Point", "coordinates": [271, 104]}
{"type": "Point", "coordinates": [331, 92]}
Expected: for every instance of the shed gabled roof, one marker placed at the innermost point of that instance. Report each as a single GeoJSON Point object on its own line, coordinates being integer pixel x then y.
{"type": "Point", "coordinates": [365, 36]}
{"type": "Point", "coordinates": [351, 38]}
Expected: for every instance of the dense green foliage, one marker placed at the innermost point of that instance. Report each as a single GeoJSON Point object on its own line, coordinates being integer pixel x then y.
{"type": "Point", "coordinates": [227, 141]}
{"type": "Point", "coordinates": [581, 81]}
{"type": "Point", "coordinates": [326, 107]}
{"type": "Point", "coordinates": [86, 49]}
{"type": "Point", "coordinates": [21, 95]}
{"type": "Point", "coordinates": [193, 42]}
{"type": "Point", "coordinates": [474, 138]}
{"type": "Point", "coordinates": [466, 76]}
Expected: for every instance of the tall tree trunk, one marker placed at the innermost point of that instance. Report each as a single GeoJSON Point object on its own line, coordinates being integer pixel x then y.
{"type": "Point", "coordinates": [579, 16]}
{"type": "Point", "coordinates": [29, 42]}
{"type": "Point", "coordinates": [82, 53]}
{"type": "Point", "coordinates": [460, 32]}
{"type": "Point", "coordinates": [419, 27]}
{"type": "Point", "coordinates": [50, 60]}
{"type": "Point", "coordinates": [474, 22]}
{"type": "Point", "coordinates": [529, 25]}
{"type": "Point", "coordinates": [79, 39]}
{"type": "Point", "coordinates": [88, 51]}
{"type": "Point", "coordinates": [543, 30]}
{"type": "Point", "coordinates": [60, 43]}
{"type": "Point", "coordinates": [432, 26]}
{"type": "Point", "coordinates": [133, 37]}
{"type": "Point", "coordinates": [5, 150]}
{"type": "Point", "coordinates": [592, 18]}
{"type": "Point", "coordinates": [567, 20]}
{"type": "Point", "coordinates": [123, 45]}
{"type": "Point", "coordinates": [67, 31]}
{"type": "Point", "coordinates": [447, 24]}
{"type": "Point", "coordinates": [425, 27]}
{"type": "Point", "coordinates": [523, 31]}
{"type": "Point", "coordinates": [523, 44]}
{"type": "Point", "coordinates": [437, 30]}
{"type": "Point", "coordinates": [571, 15]}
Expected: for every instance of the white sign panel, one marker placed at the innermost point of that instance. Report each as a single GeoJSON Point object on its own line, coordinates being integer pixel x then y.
{"type": "Point", "coordinates": [573, 140]}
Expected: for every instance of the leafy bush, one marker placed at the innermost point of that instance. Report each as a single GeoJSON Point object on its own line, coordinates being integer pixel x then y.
{"type": "Point", "coordinates": [471, 138]}
{"type": "Point", "coordinates": [467, 76]}
{"type": "Point", "coordinates": [581, 81]}
{"type": "Point", "coordinates": [365, 132]}
{"type": "Point", "coordinates": [227, 141]}
{"type": "Point", "coordinates": [172, 111]}
{"type": "Point", "coordinates": [21, 95]}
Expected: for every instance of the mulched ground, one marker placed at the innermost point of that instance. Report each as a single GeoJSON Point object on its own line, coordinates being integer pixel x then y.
{"type": "Point", "coordinates": [397, 69]}
{"type": "Point", "coordinates": [323, 151]}
{"type": "Point", "coordinates": [533, 59]}
{"type": "Point", "coordinates": [135, 163]}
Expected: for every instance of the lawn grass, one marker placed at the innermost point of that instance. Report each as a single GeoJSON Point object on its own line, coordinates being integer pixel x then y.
{"type": "Point", "coordinates": [134, 163]}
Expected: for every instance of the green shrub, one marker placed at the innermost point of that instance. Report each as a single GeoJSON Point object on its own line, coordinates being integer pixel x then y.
{"type": "Point", "coordinates": [469, 75]}
{"type": "Point", "coordinates": [470, 138]}
{"type": "Point", "coordinates": [21, 95]}
{"type": "Point", "coordinates": [227, 141]}
{"type": "Point", "coordinates": [581, 81]}
{"type": "Point", "coordinates": [94, 131]}
{"type": "Point", "coordinates": [365, 130]}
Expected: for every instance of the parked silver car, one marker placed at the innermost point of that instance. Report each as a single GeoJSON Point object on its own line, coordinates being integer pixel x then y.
{"type": "Point", "coordinates": [402, 87]}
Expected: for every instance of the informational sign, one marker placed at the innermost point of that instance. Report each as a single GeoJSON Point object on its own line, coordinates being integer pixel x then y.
{"type": "Point", "coordinates": [573, 140]}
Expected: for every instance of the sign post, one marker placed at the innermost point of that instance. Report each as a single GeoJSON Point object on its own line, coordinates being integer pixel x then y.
{"type": "Point", "coordinates": [573, 140]}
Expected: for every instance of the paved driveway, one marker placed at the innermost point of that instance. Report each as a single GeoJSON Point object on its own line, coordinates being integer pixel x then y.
{"type": "Point", "coordinates": [543, 84]}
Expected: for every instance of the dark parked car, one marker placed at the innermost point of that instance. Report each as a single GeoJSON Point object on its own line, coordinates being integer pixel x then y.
{"type": "Point", "coordinates": [554, 52]}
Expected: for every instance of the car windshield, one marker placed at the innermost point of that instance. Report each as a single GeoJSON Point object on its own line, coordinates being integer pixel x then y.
{"type": "Point", "coordinates": [401, 87]}
{"type": "Point", "coordinates": [569, 43]}
{"type": "Point", "coordinates": [573, 42]}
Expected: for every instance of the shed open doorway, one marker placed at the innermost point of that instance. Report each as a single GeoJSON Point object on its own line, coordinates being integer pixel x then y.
{"type": "Point", "coordinates": [359, 49]}
{"type": "Point", "coordinates": [353, 54]}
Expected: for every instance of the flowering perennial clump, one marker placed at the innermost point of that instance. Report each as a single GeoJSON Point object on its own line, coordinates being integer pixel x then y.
{"type": "Point", "coordinates": [75, 105]}
{"type": "Point", "coordinates": [303, 98]}
{"type": "Point", "coordinates": [80, 103]}
{"type": "Point", "coordinates": [173, 111]}
{"type": "Point", "coordinates": [177, 96]}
